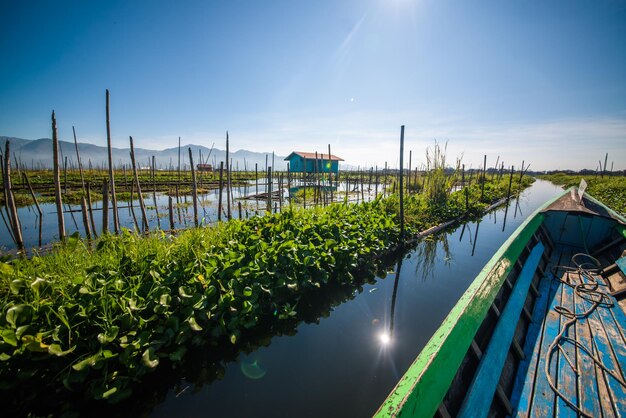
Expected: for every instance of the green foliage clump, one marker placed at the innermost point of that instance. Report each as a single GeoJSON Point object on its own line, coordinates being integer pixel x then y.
{"type": "Point", "coordinates": [95, 321]}
{"type": "Point", "coordinates": [101, 319]}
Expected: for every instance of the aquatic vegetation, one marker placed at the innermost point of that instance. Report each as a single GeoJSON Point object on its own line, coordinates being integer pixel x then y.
{"type": "Point", "coordinates": [95, 321]}
{"type": "Point", "coordinates": [611, 190]}
{"type": "Point", "coordinates": [102, 319]}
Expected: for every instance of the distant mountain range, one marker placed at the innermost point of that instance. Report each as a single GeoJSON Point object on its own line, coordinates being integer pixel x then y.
{"type": "Point", "coordinates": [38, 154]}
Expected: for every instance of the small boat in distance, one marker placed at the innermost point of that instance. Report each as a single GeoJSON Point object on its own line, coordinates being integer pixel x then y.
{"type": "Point", "coordinates": [540, 332]}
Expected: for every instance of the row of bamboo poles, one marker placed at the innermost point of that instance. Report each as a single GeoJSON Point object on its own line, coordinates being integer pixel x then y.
{"type": "Point", "coordinates": [321, 183]}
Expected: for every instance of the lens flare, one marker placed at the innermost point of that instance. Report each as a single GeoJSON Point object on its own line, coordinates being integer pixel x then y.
{"type": "Point", "coordinates": [252, 369]}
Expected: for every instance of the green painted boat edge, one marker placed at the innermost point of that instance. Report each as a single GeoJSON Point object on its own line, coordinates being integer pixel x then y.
{"type": "Point", "coordinates": [424, 385]}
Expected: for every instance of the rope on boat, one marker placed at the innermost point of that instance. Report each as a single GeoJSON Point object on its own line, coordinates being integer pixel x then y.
{"type": "Point", "coordinates": [587, 288]}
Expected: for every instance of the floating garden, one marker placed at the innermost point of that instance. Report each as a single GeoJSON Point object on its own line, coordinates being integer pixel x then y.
{"type": "Point", "coordinates": [94, 319]}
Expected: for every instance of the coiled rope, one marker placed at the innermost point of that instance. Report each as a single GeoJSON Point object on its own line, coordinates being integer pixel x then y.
{"type": "Point", "coordinates": [586, 288]}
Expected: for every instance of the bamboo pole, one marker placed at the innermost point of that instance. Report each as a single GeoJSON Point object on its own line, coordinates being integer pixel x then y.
{"type": "Point", "coordinates": [116, 222]}
{"type": "Point", "coordinates": [93, 223]}
{"type": "Point", "coordinates": [32, 193]}
{"type": "Point", "coordinates": [289, 183]}
{"type": "Point", "coordinates": [105, 206]}
{"type": "Point", "coordinates": [229, 168]}
{"type": "Point", "coordinates": [142, 206]}
{"type": "Point", "coordinates": [219, 194]}
{"type": "Point", "coordinates": [57, 178]}
{"type": "Point", "coordinates": [131, 206]}
{"type": "Point", "coordinates": [269, 189]}
{"type": "Point", "coordinates": [156, 206]}
{"type": "Point", "coordinates": [171, 211]}
{"type": "Point", "coordinates": [330, 173]}
{"type": "Point", "coordinates": [401, 183]}
{"type": "Point", "coordinates": [9, 201]}
{"type": "Point", "coordinates": [83, 206]}
{"type": "Point", "coordinates": [194, 189]}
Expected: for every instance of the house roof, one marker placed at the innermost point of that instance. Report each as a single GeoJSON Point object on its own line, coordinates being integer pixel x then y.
{"type": "Point", "coordinates": [311, 156]}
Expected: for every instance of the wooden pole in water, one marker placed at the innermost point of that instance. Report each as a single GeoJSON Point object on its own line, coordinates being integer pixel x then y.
{"type": "Point", "coordinates": [228, 179]}
{"type": "Point", "coordinates": [376, 183]}
{"type": "Point", "coordinates": [105, 205]}
{"type": "Point", "coordinates": [401, 184]}
{"type": "Point", "coordinates": [194, 189]}
{"type": "Point", "coordinates": [83, 207]}
{"type": "Point", "coordinates": [289, 183]}
{"type": "Point", "coordinates": [32, 193]}
{"type": "Point", "coordinates": [170, 202]}
{"type": "Point", "coordinates": [385, 180]}
{"type": "Point", "coordinates": [256, 178]}
{"type": "Point", "coordinates": [240, 210]}
{"type": "Point", "coordinates": [10, 200]}
{"type": "Point", "coordinates": [131, 206]}
{"type": "Point", "coordinates": [156, 206]}
{"type": "Point", "coordinates": [330, 173]}
{"type": "Point", "coordinates": [57, 178]}
{"type": "Point", "coordinates": [219, 199]}
{"type": "Point", "coordinates": [90, 208]}
{"type": "Point", "coordinates": [508, 193]}
{"type": "Point", "coordinates": [269, 189]}
{"type": "Point", "coordinates": [304, 183]}
{"type": "Point", "coordinates": [142, 206]}
{"type": "Point", "coordinates": [116, 222]}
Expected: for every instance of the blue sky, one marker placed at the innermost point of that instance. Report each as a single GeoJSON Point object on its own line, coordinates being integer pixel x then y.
{"type": "Point", "coordinates": [527, 80]}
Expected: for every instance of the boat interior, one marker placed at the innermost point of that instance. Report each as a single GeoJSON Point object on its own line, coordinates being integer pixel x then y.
{"type": "Point", "coordinates": [553, 342]}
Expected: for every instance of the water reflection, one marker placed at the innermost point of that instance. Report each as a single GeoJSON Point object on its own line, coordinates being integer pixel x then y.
{"type": "Point", "coordinates": [426, 253]}
{"type": "Point", "coordinates": [386, 338]}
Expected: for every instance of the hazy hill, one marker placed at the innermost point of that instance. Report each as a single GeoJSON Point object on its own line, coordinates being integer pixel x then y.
{"type": "Point", "coordinates": [38, 154]}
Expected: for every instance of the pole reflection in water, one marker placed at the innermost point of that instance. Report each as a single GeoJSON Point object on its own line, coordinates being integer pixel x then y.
{"type": "Point", "coordinates": [506, 211]}
{"type": "Point", "coordinates": [462, 232]}
{"type": "Point", "coordinates": [386, 338]}
{"type": "Point", "coordinates": [476, 235]}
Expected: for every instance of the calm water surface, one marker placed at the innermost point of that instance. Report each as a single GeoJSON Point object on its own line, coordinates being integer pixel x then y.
{"type": "Point", "coordinates": [346, 365]}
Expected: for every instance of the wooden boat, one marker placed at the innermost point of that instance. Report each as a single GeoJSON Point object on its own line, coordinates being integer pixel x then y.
{"type": "Point", "coordinates": [539, 332]}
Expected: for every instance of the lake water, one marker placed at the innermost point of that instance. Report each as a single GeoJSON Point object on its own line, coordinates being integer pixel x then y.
{"type": "Point", "coordinates": [346, 364]}
{"type": "Point", "coordinates": [36, 232]}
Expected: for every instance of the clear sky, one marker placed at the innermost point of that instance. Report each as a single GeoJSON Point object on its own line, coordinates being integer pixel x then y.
{"type": "Point", "coordinates": [541, 81]}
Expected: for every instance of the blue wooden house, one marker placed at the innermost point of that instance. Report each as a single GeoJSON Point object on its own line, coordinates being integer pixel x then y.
{"type": "Point", "coordinates": [307, 162]}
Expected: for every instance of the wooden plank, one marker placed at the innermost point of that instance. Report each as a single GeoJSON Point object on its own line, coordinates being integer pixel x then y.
{"type": "Point", "coordinates": [612, 353]}
{"type": "Point", "coordinates": [588, 378]}
{"type": "Point", "coordinates": [483, 387]}
{"type": "Point", "coordinates": [543, 397]}
{"type": "Point", "coordinates": [566, 379]}
{"type": "Point", "coordinates": [621, 263]}
{"type": "Point", "coordinates": [525, 377]}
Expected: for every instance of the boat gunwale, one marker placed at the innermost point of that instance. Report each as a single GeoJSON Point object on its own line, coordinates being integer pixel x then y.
{"type": "Point", "coordinates": [421, 389]}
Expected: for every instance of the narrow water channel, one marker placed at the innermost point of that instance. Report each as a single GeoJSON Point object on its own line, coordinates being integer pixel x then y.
{"type": "Point", "coordinates": [346, 365]}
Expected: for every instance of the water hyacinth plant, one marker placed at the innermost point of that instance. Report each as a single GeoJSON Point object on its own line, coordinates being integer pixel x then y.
{"type": "Point", "coordinates": [94, 321]}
